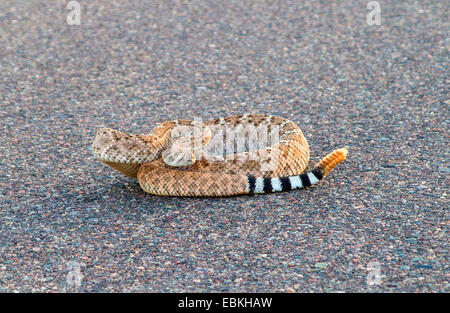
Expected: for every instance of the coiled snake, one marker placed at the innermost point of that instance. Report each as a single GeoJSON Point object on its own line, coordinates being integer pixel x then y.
{"type": "Point", "coordinates": [221, 157]}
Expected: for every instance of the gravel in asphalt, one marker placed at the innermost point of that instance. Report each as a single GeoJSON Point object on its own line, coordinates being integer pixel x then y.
{"type": "Point", "coordinates": [68, 223]}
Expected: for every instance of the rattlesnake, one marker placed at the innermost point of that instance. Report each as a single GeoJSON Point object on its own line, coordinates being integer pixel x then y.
{"type": "Point", "coordinates": [165, 165]}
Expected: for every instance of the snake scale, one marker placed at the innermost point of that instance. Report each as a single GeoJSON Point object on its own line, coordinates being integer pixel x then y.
{"type": "Point", "coordinates": [195, 163]}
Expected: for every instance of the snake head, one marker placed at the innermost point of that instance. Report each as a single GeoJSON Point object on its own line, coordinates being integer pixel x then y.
{"type": "Point", "coordinates": [113, 146]}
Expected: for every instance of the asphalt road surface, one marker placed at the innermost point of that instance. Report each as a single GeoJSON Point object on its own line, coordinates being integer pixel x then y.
{"type": "Point", "coordinates": [377, 223]}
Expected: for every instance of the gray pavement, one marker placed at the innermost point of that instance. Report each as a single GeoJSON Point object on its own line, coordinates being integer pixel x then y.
{"type": "Point", "coordinates": [68, 223]}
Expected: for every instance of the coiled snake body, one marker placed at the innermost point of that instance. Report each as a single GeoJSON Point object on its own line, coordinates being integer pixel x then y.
{"type": "Point", "coordinates": [193, 162]}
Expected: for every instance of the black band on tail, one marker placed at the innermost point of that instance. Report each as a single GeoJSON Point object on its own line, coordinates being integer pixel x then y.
{"type": "Point", "coordinates": [285, 183]}
{"type": "Point", "coordinates": [305, 180]}
{"type": "Point", "coordinates": [251, 184]}
{"type": "Point", "coordinates": [267, 185]}
{"type": "Point", "coordinates": [318, 173]}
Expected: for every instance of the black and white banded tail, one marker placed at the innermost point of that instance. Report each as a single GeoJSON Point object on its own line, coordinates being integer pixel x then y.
{"type": "Point", "coordinates": [275, 184]}
{"type": "Point", "coordinates": [258, 185]}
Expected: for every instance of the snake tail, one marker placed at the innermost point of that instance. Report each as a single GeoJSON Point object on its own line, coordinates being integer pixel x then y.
{"type": "Point", "coordinates": [258, 185]}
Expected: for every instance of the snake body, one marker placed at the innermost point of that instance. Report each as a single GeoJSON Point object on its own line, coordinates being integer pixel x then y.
{"type": "Point", "coordinates": [164, 165]}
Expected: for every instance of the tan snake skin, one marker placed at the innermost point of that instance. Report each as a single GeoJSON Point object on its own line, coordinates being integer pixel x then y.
{"type": "Point", "coordinates": [206, 171]}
